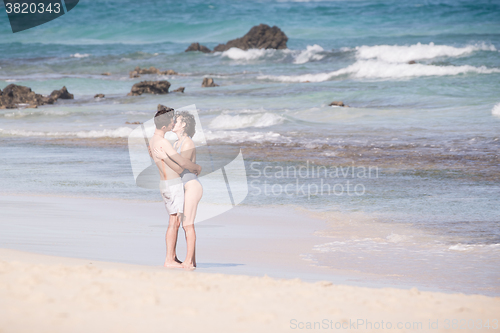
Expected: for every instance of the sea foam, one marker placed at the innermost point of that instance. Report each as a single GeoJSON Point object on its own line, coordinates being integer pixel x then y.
{"type": "Point", "coordinates": [373, 69]}
{"type": "Point", "coordinates": [121, 132]}
{"type": "Point", "coordinates": [496, 110]}
{"type": "Point", "coordinates": [226, 121]}
{"type": "Point", "coordinates": [396, 53]}
{"type": "Point", "coordinates": [312, 53]}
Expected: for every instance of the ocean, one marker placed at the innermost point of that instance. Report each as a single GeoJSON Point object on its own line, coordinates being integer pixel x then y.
{"type": "Point", "coordinates": [412, 165]}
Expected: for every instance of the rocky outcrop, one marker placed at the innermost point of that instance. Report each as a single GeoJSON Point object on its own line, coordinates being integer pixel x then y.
{"type": "Point", "coordinates": [208, 82]}
{"type": "Point", "coordinates": [62, 93]}
{"type": "Point", "coordinates": [151, 70]}
{"type": "Point", "coordinates": [259, 37]}
{"type": "Point", "coordinates": [412, 62]}
{"type": "Point", "coordinates": [180, 89]}
{"type": "Point", "coordinates": [150, 87]}
{"type": "Point", "coordinates": [13, 95]}
{"type": "Point", "coordinates": [337, 103]}
{"type": "Point", "coordinates": [133, 123]}
{"type": "Point", "coordinates": [198, 47]}
{"type": "Point", "coordinates": [99, 96]}
{"type": "Point", "coordinates": [106, 73]}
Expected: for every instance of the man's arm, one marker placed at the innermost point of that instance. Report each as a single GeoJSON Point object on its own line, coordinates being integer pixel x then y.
{"type": "Point", "coordinates": [166, 150]}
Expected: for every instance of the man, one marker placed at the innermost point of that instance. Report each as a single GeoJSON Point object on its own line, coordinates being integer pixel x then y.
{"type": "Point", "coordinates": [171, 186]}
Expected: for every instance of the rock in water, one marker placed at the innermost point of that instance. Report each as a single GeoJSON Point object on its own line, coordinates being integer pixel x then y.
{"type": "Point", "coordinates": [336, 103]}
{"type": "Point", "coordinates": [259, 37]}
{"type": "Point", "coordinates": [106, 74]}
{"type": "Point", "coordinates": [180, 89]}
{"type": "Point", "coordinates": [12, 95]}
{"type": "Point", "coordinates": [412, 62]}
{"type": "Point", "coordinates": [99, 96]}
{"type": "Point", "coordinates": [208, 82]}
{"type": "Point", "coordinates": [63, 93]}
{"type": "Point", "coordinates": [198, 47]}
{"type": "Point", "coordinates": [150, 87]}
{"type": "Point", "coordinates": [151, 70]}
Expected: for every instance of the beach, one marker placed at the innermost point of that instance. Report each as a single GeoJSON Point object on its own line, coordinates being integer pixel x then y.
{"type": "Point", "coordinates": [350, 156]}
{"type": "Point", "coordinates": [55, 294]}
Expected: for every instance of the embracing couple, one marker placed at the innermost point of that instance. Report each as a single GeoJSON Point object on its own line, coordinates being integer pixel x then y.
{"type": "Point", "coordinates": [179, 185]}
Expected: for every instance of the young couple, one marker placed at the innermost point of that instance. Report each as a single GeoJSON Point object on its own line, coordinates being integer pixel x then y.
{"type": "Point", "coordinates": [179, 185]}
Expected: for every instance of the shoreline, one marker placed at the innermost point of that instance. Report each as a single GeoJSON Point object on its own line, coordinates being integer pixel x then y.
{"type": "Point", "coordinates": [60, 294]}
{"type": "Point", "coordinates": [257, 241]}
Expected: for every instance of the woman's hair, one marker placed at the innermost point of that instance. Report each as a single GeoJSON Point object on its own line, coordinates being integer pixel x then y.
{"type": "Point", "coordinates": [188, 119]}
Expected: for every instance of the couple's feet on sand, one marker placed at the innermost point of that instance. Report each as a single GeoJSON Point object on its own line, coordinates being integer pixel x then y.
{"type": "Point", "coordinates": [179, 264]}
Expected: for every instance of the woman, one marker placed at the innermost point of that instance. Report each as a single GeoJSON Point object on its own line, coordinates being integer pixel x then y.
{"type": "Point", "coordinates": [184, 128]}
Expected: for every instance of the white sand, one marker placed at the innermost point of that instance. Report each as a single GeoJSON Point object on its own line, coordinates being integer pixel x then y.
{"type": "Point", "coordinates": [41, 293]}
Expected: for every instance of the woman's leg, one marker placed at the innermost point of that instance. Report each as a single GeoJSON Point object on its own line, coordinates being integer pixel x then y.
{"type": "Point", "coordinates": [192, 196]}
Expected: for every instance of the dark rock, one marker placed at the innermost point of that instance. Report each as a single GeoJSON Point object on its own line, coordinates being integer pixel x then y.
{"type": "Point", "coordinates": [259, 37]}
{"type": "Point", "coordinates": [412, 62]}
{"type": "Point", "coordinates": [12, 95]}
{"type": "Point", "coordinates": [106, 73]}
{"type": "Point", "coordinates": [198, 47]}
{"type": "Point", "coordinates": [133, 123]}
{"type": "Point", "coordinates": [208, 82]}
{"type": "Point", "coordinates": [151, 70]}
{"type": "Point", "coordinates": [99, 96]}
{"type": "Point", "coordinates": [63, 93]}
{"type": "Point", "coordinates": [337, 103]}
{"type": "Point", "coordinates": [180, 89]}
{"type": "Point", "coordinates": [150, 87]}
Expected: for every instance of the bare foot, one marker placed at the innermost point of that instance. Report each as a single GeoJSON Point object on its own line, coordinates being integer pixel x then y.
{"type": "Point", "coordinates": [173, 264]}
{"type": "Point", "coordinates": [189, 265]}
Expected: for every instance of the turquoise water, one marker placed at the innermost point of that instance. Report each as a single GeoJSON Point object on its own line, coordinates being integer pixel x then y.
{"type": "Point", "coordinates": [431, 128]}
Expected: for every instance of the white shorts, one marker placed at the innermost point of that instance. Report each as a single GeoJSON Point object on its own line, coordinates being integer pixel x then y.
{"type": "Point", "coordinates": [172, 192]}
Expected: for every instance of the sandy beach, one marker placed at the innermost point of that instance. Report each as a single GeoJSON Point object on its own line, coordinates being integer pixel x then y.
{"type": "Point", "coordinates": [54, 294]}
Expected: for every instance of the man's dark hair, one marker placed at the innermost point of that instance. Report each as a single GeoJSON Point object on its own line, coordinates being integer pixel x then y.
{"type": "Point", "coordinates": [164, 116]}
{"type": "Point", "coordinates": [188, 119]}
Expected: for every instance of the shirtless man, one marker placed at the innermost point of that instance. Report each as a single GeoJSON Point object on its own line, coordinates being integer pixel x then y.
{"type": "Point", "coordinates": [171, 186]}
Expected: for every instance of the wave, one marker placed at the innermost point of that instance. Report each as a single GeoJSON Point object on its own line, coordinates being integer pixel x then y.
{"type": "Point", "coordinates": [78, 55]}
{"type": "Point", "coordinates": [311, 53]}
{"type": "Point", "coordinates": [121, 132]}
{"type": "Point", "coordinates": [244, 136]}
{"type": "Point", "coordinates": [244, 120]}
{"type": "Point", "coordinates": [24, 113]}
{"type": "Point", "coordinates": [496, 110]}
{"type": "Point", "coordinates": [396, 53]}
{"type": "Point", "coordinates": [373, 69]}
{"type": "Point", "coordinates": [247, 55]}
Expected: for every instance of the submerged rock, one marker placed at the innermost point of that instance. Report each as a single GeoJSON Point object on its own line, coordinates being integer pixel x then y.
{"type": "Point", "coordinates": [337, 103]}
{"type": "Point", "coordinates": [198, 47]}
{"type": "Point", "coordinates": [150, 87]}
{"type": "Point", "coordinates": [13, 95]}
{"type": "Point", "coordinates": [259, 37]}
{"type": "Point", "coordinates": [208, 82]}
{"type": "Point", "coordinates": [151, 70]}
{"type": "Point", "coordinates": [62, 93]}
{"type": "Point", "coordinates": [180, 89]}
{"type": "Point", "coordinates": [99, 96]}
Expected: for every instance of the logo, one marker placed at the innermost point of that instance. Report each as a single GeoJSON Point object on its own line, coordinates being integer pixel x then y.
{"type": "Point", "coordinates": [26, 14]}
{"type": "Point", "coordinates": [224, 176]}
